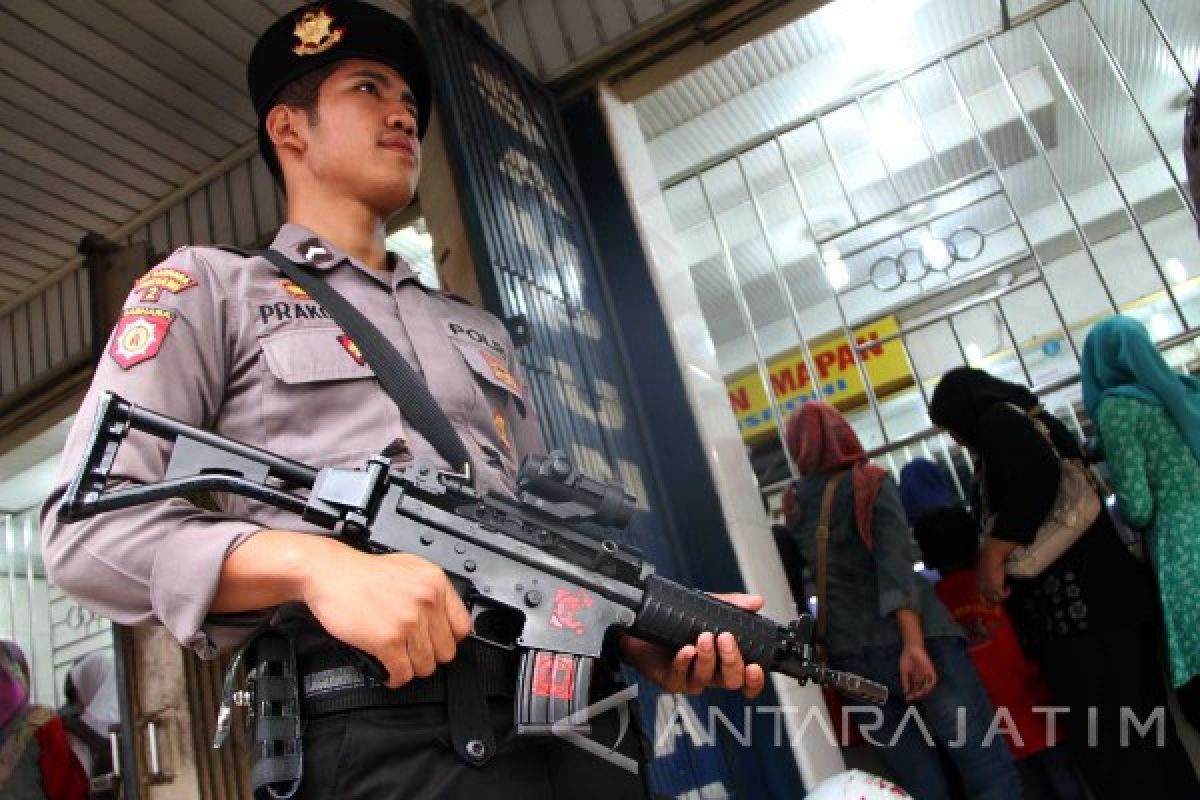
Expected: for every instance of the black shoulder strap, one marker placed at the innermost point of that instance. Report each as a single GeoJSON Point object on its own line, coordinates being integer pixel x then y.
{"type": "Point", "coordinates": [403, 385]}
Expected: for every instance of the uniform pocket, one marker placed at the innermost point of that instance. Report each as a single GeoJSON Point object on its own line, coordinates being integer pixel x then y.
{"type": "Point", "coordinates": [321, 402]}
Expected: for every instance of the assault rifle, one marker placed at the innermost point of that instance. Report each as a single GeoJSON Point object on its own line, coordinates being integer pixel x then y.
{"type": "Point", "coordinates": [538, 573]}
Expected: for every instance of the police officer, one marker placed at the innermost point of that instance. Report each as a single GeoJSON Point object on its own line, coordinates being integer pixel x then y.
{"type": "Point", "coordinates": [223, 341]}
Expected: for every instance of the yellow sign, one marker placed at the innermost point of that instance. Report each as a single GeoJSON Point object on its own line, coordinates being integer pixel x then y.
{"type": "Point", "coordinates": [838, 379]}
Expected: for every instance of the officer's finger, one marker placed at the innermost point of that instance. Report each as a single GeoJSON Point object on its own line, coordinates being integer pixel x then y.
{"type": "Point", "coordinates": [441, 636]}
{"type": "Point", "coordinates": [733, 668]}
{"type": "Point", "coordinates": [756, 681]}
{"type": "Point", "coordinates": [420, 649]}
{"type": "Point", "coordinates": [705, 664]}
{"type": "Point", "coordinates": [675, 677]}
{"type": "Point", "coordinates": [458, 616]}
{"type": "Point", "coordinates": [399, 668]}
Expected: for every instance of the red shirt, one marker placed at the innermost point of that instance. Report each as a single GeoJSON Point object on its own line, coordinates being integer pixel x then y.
{"type": "Point", "coordinates": [1012, 681]}
{"type": "Point", "coordinates": [63, 777]}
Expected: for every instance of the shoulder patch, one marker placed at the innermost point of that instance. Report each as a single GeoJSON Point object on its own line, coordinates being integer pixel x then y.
{"type": "Point", "coordinates": [502, 429]}
{"type": "Point", "coordinates": [149, 287]}
{"type": "Point", "coordinates": [501, 372]}
{"type": "Point", "coordinates": [139, 335]}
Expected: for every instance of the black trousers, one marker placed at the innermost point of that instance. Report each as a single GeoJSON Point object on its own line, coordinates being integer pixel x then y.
{"type": "Point", "coordinates": [404, 752]}
{"type": "Point", "coordinates": [1111, 671]}
{"type": "Point", "coordinates": [1189, 702]}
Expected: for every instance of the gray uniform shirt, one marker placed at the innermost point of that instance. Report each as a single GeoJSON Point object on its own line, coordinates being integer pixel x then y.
{"type": "Point", "coordinates": [226, 343]}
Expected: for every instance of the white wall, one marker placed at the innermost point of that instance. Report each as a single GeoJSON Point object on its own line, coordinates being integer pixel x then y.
{"type": "Point", "coordinates": [745, 520]}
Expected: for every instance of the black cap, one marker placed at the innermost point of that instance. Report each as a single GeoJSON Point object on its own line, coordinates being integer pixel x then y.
{"type": "Point", "coordinates": [323, 33]}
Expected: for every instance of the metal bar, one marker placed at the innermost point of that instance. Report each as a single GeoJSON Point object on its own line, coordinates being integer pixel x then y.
{"type": "Point", "coordinates": [27, 546]}
{"type": "Point", "coordinates": [916, 114]}
{"type": "Point", "coordinates": [837, 170]}
{"type": "Point", "coordinates": [208, 210]}
{"type": "Point", "coordinates": [961, 99]}
{"type": "Point", "coordinates": [850, 338]}
{"type": "Point", "coordinates": [62, 320]}
{"type": "Point", "coordinates": [950, 463]}
{"type": "Point", "coordinates": [858, 103]}
{"type": "Point", "coordinates": [925, 198]}
{"type": "Point", "coordinates": [1123, 80]}
{"type": "Point", "coordinates": [828, 108]}
{"type": "Point", "coordinates": [1171, 49]}
{"type": "Point", "coordinates": [966, 305]}
{"type": "Point", "coordinates": [1075, 418]}
{"type": "Point", "coordinates": [764, 374]}
{"type": "Point", "coordinates": [1073, 98]}
{"type": "Point", "coordinates": [1015, 343]}
{"type": "Point", "coordinates": [1045, 8]}
{"type": "Point", "coordinates": [1059, 190]}
{"type": "Point", "coordinates": [962, 493]}
{"type": "Point", "coordinates": [506, 236]}
{"type": "Point", "coordinates": [916, 225]}
{"type": "Point", "coordinates": [951, 282]}
{"type": "Point", "coordinates": [806, 353]}
{"type": "Point", "coordinates": [958, 341]}
{"type": "Point", "coordinates": [1046, 388]}
{"type": "Point", "coordinates": [9, 547]}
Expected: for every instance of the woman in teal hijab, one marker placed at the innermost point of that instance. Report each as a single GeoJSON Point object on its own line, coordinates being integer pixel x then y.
{"type": "Point", "coordinates": [1148, 420]}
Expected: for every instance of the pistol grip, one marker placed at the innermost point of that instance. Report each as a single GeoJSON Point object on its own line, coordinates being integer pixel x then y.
{"type": "Point", "coordinates": [551, 688]}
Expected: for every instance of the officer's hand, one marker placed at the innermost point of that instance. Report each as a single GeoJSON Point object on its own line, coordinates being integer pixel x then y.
{"type": "Point", "coordinates": [399, 608]}
{"type": "Point", "coordinates": [709, 662]}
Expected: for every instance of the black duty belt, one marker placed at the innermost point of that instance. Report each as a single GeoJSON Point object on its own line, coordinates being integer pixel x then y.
{"type": "Point", "coordinates": [332, 680]}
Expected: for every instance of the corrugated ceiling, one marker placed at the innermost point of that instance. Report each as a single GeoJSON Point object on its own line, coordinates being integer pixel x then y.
{"type": "Point", "coordinates": [129, 118]}
{"type": "Point", "coordinates": [901, 140]}
{"type": "Point", "coordinates": [107, 106]}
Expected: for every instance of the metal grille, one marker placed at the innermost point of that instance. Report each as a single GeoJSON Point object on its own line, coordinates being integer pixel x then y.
{"type": "Point", "coordinates": [528, 231]}
{"type": "Point", "coordinates": [1056, 141]}
{"type": "Point", "coordinates": [52, 629]}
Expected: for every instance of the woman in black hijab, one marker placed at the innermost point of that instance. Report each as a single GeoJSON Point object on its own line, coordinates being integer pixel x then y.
{"type": "Point", "coordinates": [1088, 617]}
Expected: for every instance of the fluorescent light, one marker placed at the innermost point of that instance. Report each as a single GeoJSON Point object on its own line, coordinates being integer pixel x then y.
{"type": "Point", "coordinates": [1176, 271]}
{"type": "Point", "coordinates": [837, 274]}
{"type": "Point", "coordinates": [936, 253]}
{"type": "Point", "coordinates": [1161, 326]}
{"type": "Point", "coordinates": [974, 353]}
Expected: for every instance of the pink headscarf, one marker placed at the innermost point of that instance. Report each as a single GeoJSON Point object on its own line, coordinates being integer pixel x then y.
{"type": "Point", "coordinates": [821, 441]}
{"type": "Point", "coordinates": [19, 720]}
{"type": "Point", "coordinates": [14, 683]}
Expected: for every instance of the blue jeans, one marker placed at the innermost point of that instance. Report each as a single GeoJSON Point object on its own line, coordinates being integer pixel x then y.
{"type": "Point", "coordinates": [957, 715]}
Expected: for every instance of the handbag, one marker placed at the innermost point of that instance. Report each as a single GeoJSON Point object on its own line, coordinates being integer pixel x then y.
{"type": "Point", "coordinates": [1076, 506]}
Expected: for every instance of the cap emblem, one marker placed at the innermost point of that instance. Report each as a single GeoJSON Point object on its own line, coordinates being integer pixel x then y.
{"type": "Point", "coordinates": [316, 33]}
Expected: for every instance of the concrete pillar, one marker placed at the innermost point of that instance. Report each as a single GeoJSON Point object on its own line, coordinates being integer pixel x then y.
{"type": "Point", "coordinates": [745, 519]}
